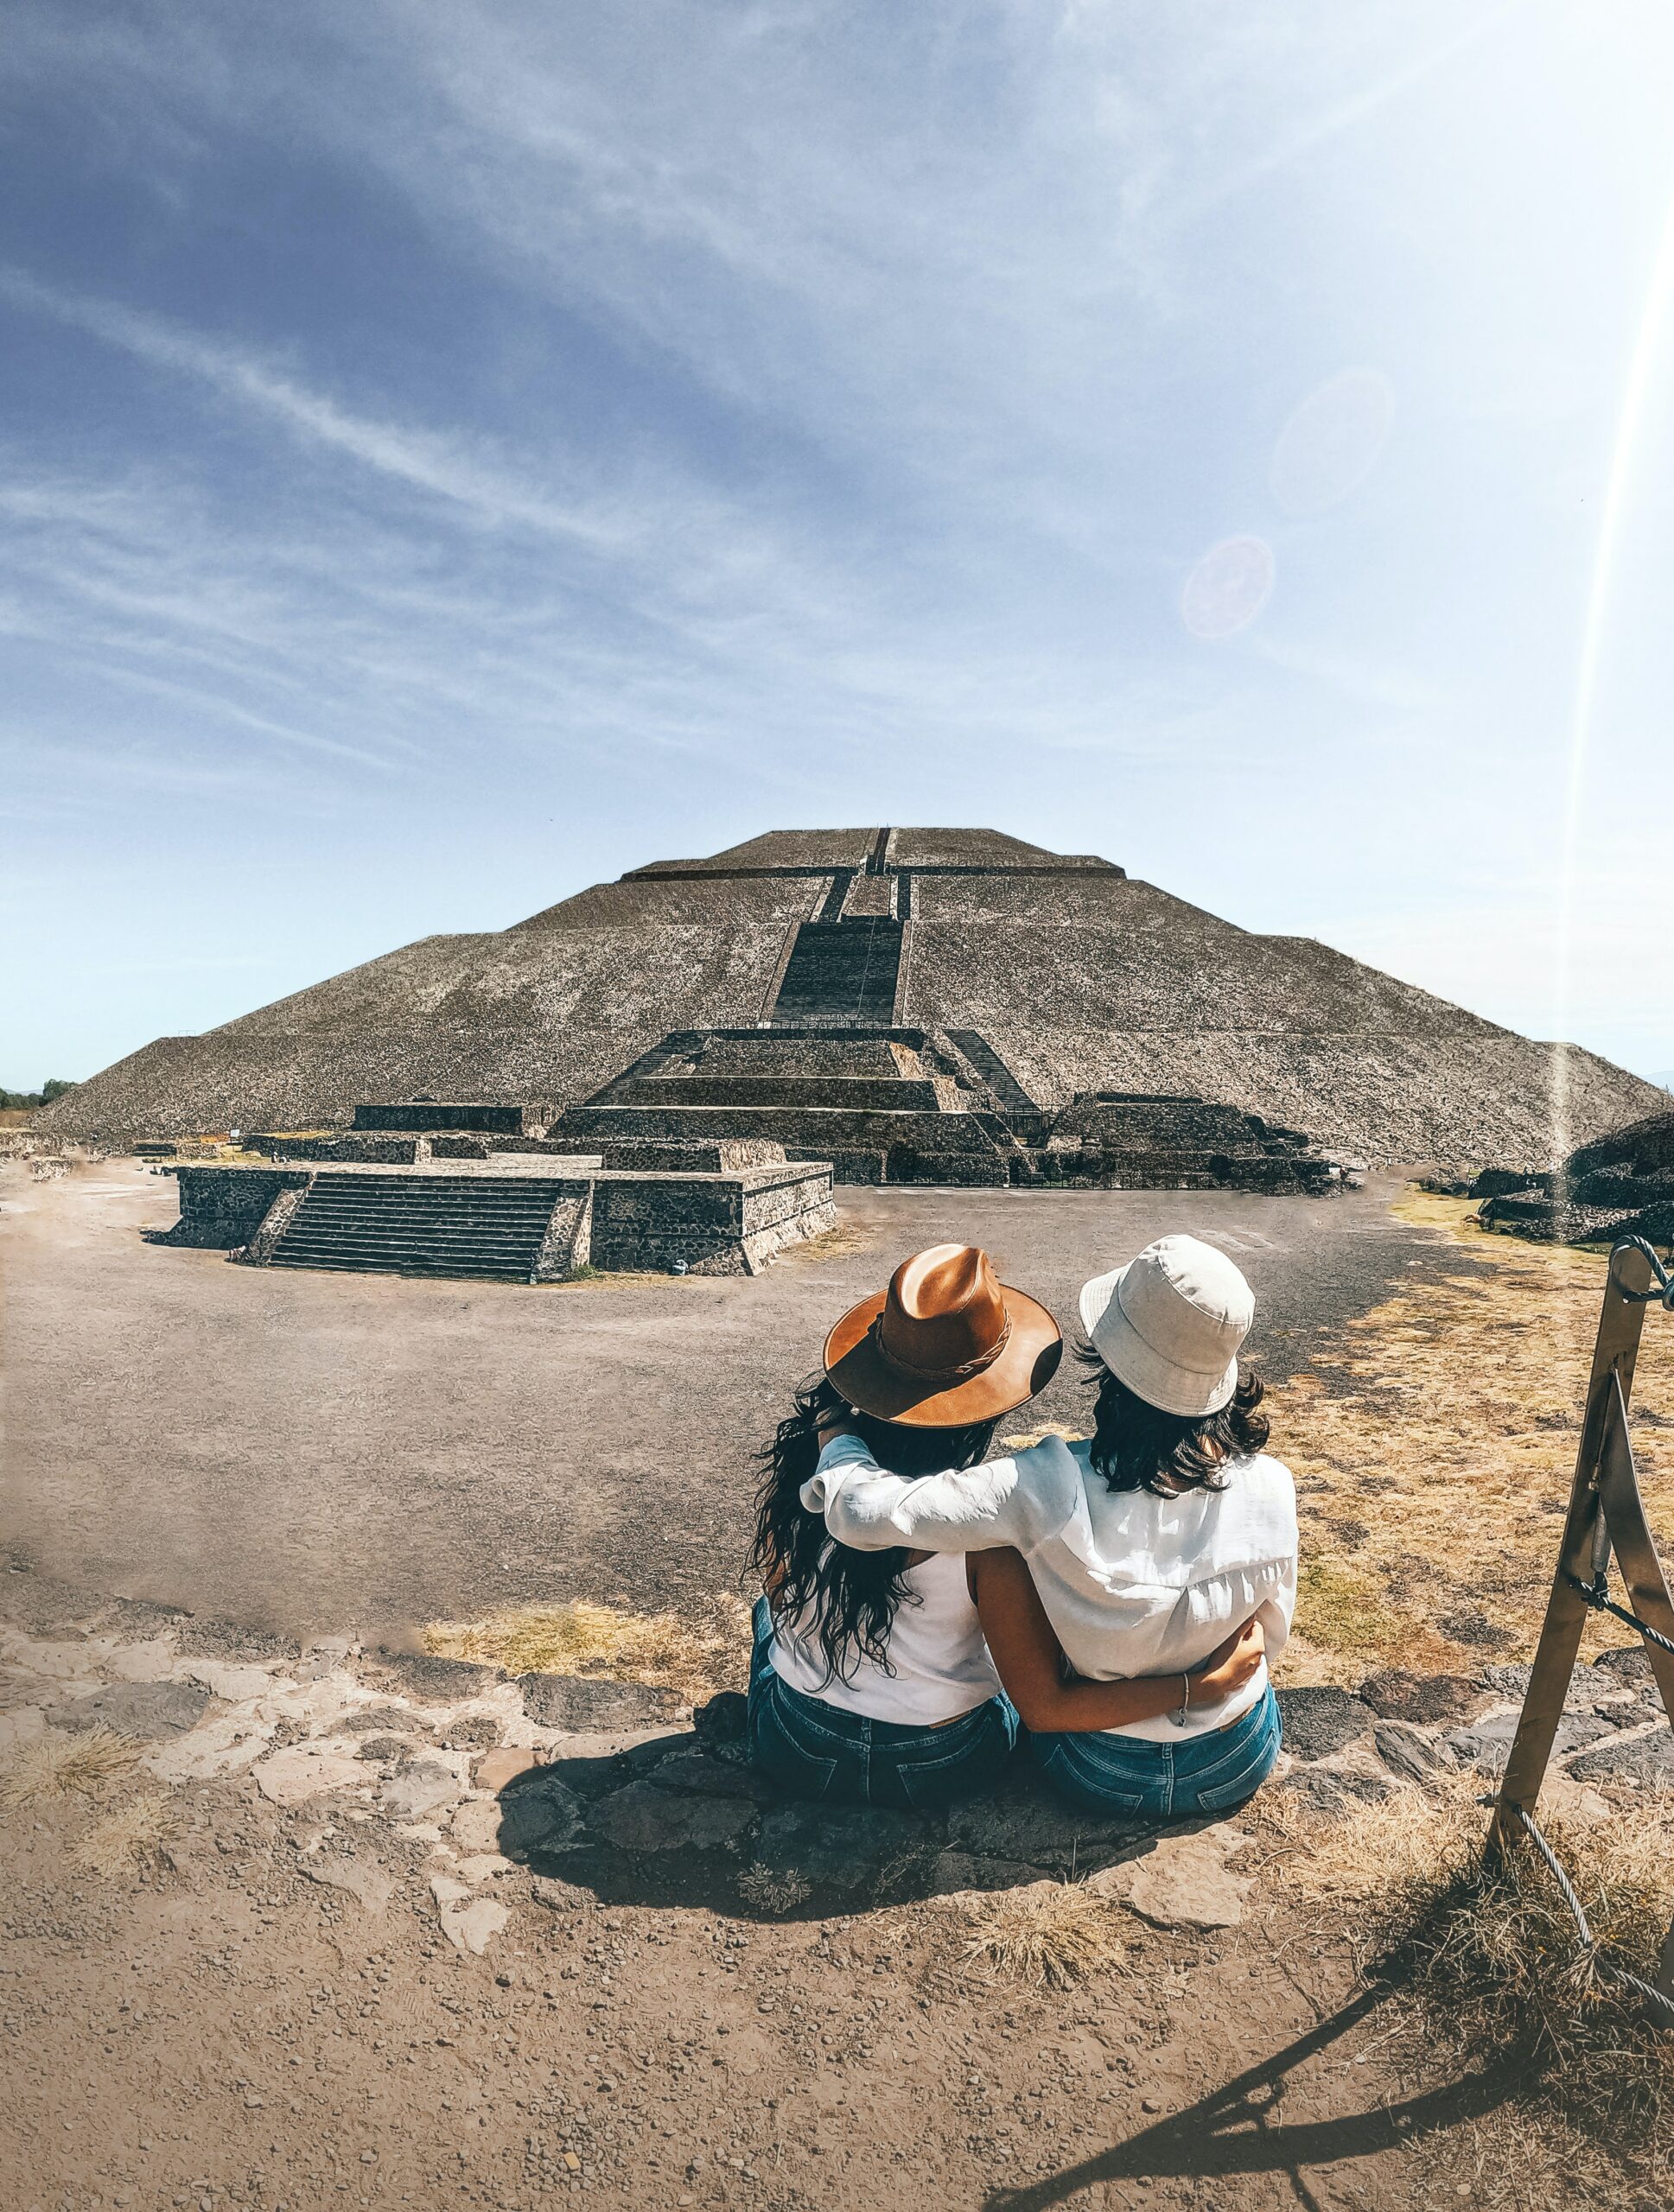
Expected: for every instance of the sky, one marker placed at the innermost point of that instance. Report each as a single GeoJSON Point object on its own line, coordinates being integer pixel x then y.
{"type": "Point", "coordinates": [452, 454]}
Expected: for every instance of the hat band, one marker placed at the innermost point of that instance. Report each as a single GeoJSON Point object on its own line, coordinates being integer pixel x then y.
{"type": "Point", "coordinates": [939, 1373]}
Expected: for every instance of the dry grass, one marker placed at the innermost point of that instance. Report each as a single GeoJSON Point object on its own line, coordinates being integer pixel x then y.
{"type": "Point", "coordinates": [131, 1837]}
{"type": "Point", "coordinates": [691, 1656]}
{"type": "Point", "coordinates": [57, 1764]}
{"type": "Point", "coordinates": [772, 1889]}
{"type": "Point", "coordinates": [1482, 1957]}
{"type": "Point", "coordinates": [1055, 1933]}
{"type": "Point", "coordinates": [1433, 1452]}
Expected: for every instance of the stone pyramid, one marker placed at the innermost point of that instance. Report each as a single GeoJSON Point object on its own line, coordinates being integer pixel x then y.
{"type": "Point", "coordinates": [1057, 976]}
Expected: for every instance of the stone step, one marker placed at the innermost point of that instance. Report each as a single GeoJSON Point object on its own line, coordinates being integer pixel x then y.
{"type": "Point", "coordinates": [841, 972]}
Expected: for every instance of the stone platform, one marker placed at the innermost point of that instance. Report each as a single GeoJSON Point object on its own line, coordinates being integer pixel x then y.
{"type": "Point", "coordinates": [511, 1217]}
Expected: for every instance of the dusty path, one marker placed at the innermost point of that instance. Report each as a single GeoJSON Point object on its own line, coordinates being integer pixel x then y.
{"type": "Point", "coordinates": [312, 1451]}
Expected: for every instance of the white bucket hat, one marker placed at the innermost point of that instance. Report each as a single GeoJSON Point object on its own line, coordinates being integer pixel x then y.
{"type": "Point", "coordinates": [1170, 1323]}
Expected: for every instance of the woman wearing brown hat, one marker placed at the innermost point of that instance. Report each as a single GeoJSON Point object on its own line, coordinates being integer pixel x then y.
{"type": "Point", "coordinates": [1141, 1549]}
{"type": "Point", "coordinates": [872, 1679]}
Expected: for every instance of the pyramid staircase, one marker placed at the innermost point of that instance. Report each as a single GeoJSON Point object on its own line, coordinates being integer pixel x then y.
{"type": "Point", "coordinates": [423, 1224]}
{"type": "Point", "coordinates": [841, 973]}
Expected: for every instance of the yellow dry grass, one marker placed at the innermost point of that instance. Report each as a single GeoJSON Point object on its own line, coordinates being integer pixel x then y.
{"type": "Point", "coordinates": [693, 1655]}
{"type": "Point", "coordinates": [58, 1764]}
{"type": "Point", "coordinates": [1433, 1450]}
{"type": "Point", "coordinates": [131, 1837]}
{"type": "Point", "coordinates": [1057, 1934]}
{"type": "Point", "coordinates": [1482, 1962]}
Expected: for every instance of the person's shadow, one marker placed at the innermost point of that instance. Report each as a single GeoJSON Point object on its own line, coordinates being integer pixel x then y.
{"type": "Point", "coordinates": [678, 1816]}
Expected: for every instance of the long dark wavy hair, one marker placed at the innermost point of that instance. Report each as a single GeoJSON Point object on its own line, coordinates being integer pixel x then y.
{"type": "Point", "coordinates": [1137, 1445]}
{"type": "Point", "coordinates": [850, 1597]}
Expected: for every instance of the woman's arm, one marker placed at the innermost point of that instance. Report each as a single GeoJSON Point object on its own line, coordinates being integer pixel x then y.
{"type": "Point", "coordinates": [1030, 1660]}
{"type": "Point", "coordinates": [1020, 1501]}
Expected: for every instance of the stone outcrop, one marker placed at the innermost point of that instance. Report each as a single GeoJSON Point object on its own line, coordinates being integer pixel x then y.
{"type": "Point", "coordinates": [1620, 1185]}
{"type": "Point", "coordinates": [1077, 979]}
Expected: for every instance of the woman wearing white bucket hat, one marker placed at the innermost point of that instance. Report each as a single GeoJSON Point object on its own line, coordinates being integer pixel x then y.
{"type": "Point", "coordinates": [1144, 1545]}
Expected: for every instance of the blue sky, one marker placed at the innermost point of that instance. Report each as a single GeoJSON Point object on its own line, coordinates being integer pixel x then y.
{"type": "Point", "coordinates": [451, 453]}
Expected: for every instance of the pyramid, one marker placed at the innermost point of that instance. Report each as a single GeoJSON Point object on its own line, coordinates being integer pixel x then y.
{"type": "Point", "coordinates": [1057, 977]}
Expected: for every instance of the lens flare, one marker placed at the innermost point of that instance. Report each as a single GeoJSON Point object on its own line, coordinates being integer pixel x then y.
{"type": "Point", "coordinates": [1228, 587]}
{"type": "Point", "coordinates": [1333, 441]}
{"type": "Point", "coordinates": [1630, 422]}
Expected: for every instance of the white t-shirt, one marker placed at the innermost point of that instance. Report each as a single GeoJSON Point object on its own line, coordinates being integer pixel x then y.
{"type": "Point", "coordinates": [1133, 1584]}
{"type": "Point", "coordinates": [936, 1647]}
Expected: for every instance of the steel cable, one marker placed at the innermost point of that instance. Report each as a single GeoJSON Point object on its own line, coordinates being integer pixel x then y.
{"type": "Point", "coordinates": [1659, 2005]}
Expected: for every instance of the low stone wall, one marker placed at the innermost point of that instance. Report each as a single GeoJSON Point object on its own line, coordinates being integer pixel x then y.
{"type": "Point", "coordinates": [701, 1225]}
{"type": "Point", "coordinates": [376, 1151]}
{"type": "Point", "coordinates": [429, 1114]}
{"type": "Point", "coordinates": [223, 1207]}
{"type": "Point", "coordinates": [723, 1157]}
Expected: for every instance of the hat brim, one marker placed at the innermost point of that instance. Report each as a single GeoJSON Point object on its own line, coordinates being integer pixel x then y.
{"type": "Point", "coordinates": [857, 1370]}
{"type": "Point", "coordinates": [1161, 1383]}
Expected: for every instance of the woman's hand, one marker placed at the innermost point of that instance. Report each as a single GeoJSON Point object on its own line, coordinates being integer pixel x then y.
{"type": "Point", "coordinates": [1231, 1666]}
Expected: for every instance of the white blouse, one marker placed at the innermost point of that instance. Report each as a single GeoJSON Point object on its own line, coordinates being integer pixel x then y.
{"type": "Point", "coordinates": [1132, 1583]}
{"type": "Point", "coordinates": [936, 1647]}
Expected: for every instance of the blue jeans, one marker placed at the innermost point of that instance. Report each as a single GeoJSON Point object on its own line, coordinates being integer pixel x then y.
{"type": "Point", "coordinates": [810, 1749]}
{"type": "Point", "coordinates": [1199, 1774]}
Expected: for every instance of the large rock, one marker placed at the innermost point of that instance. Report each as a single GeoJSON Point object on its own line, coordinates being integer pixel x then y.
{"type": "Point", "coordinates": [841, 1847]}
{"type": "Point", "coordinates": [146, 1711]}
{"type": "Point", "coordinates": [581, 1701]}
{"type": "Point", "coordinates": [1425, 1700]}
{"type": "Point", "coordinates": [1648, 1757]}
{"type": "Point", "coordinates": [643, 1818]}
{"type": "Point", "coordinates": [434, 1680]}
{"type": "Point", "coordinates": [1184, 1881]}
{"type": "Point", "coordinates": [1321, 1721]}
{"type": "Point", "coordinates": [1488, 1746]}
{"type": "Point", "coordinates": [538, 1814]}
{"type": "Point", "coordinates": [1023, 1821]}
{"type": "Point", "coordinates": [1412, 1752]}
{"type": "Point", "coordinates": [697, 1769]}
{"type": "Point", "coordinates": [420, 1789]}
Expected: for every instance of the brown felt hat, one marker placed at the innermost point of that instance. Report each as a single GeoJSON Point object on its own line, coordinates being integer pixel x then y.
{"type": "Point", "coordinates": [945, 1346]}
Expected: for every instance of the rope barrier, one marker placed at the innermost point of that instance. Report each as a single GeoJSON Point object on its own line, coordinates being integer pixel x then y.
{"type": "Point", "coordinates": [1661, 1292]}
{"type": "Point", "coordinates": [1594, 1593]}
{"type": "Point", "coordinates": [1657, 2003]}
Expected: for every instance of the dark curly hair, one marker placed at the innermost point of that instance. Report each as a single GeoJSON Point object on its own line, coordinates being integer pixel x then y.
{"type": "Point", "coordinates": [1137, 1445]}
{"type": "Point", "coordinates": [851, 1596]}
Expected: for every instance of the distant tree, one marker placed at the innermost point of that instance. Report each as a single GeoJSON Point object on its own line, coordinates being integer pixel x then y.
{"type": "Point", "coordinates": [23, 1101]}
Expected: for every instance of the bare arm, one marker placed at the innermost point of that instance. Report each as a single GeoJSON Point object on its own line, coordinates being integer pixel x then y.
{"type": "Point", "coordinates": [1030, 1660]}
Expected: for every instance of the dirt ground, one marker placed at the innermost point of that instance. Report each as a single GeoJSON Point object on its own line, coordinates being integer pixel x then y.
{"type": "Point", "coordinates": [313, 1452]}
{"type": "Point", "coordinates": [277, 1955]}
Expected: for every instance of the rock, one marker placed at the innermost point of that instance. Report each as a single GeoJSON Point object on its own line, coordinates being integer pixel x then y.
{"type": "Point", "coordinates": [1488, 1746]}
{"type": "Point", "coordinates": [434, 1680]}
{"type": "Point", "coordinates": [1394, 1694]}
{"type": "Point", "coordinates": [476, 1824]}
{"type": "Point", "coordinates": [368, 1885]}
{"type": "Point", "coordinates": [146, 1711]}
{"type": "Point", "coordinates": [1649, 1758]}
{"type": "Point", "coordinates": [1510, 1681]}
{"type": "Point", "coordinates": [1018, 1823]}
{"type": "Point", "coordinates": [305, 1771]}
{"type": "Point", "coordinates": [392, 1750]}
{"type": "Point", "coordinates": [495, 1769]}
{"type": "Point", "coordinates": [1332, 1791]}
{"type": "Point", "coordinates": [1628, 1661]}
{"type": "Point", "coordinates": [700, 1770]}
{"type": "Point", "coordinates": [644, 1818]}
{"type": "Point", "coordinates": [538, 1814]}
{"type": "Point", "coordinates": [559, 1897]}
{"type": "Point", "coordinates": [841, 1846]}
{"type": "Point", "coordinates": [582, 1701]}
{"type": "Point", "coordinates": [1183, 1881]}
{"type": "Point", "coordinates": [1318, 1722]}
{"type": "Point", "coordinates": [1409, 1752]}
{"type": "Point", "coordinates": [145, 1662]}
{"type": "Point", "coordinates": [721, 1723]}
{"type": "Point", "coordinates": [594, 1765]}
{"type": "Point", "coordinates": [237, 1684]}
{"type": "Point", "coordinates": [953, 1872]}
{"type": "Point", "coordinates": [419, 1789]}
{"type": "Point", "coordinates": [469, 1923]}
{"type": "Point", "coordinates": [1572, 1801]}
